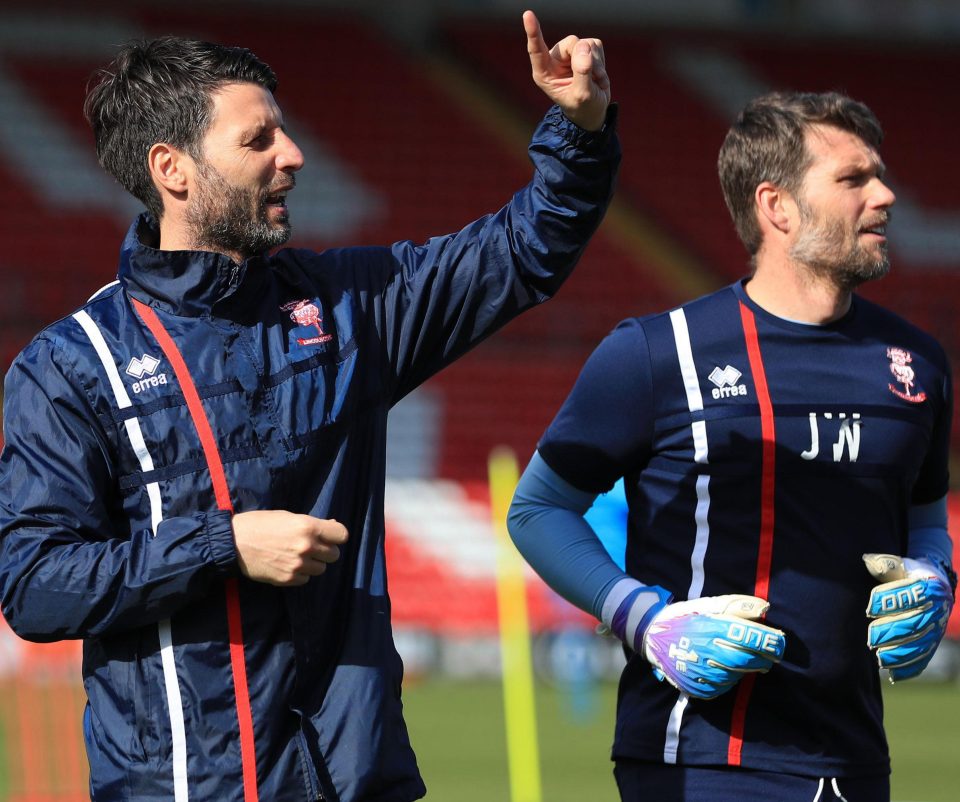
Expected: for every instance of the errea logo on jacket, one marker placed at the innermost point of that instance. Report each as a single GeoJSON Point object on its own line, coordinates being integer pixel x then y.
{"type": "Point", "coordinates": [144, 368]}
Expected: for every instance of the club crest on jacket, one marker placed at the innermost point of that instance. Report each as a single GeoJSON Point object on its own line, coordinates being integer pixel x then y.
{"type": "Point", "coordinates": [306, 314]}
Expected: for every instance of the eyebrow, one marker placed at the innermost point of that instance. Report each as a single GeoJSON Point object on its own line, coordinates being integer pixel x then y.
{"type": "Point", "coordinates": [255, 130]}
{"type": "Point", "coordinates": [870, 166]}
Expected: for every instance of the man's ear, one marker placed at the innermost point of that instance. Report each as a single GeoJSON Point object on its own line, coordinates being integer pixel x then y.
{"type": "Point", "coordinates": [775, 207]}
{"type": "Point", "coordinates": [170, 167]}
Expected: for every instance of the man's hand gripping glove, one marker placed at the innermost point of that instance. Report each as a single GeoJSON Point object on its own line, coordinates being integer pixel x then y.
{"type": "Point", "coordinates": [910, 611]}
{"type": "Point", "coordinates": [702, 647]}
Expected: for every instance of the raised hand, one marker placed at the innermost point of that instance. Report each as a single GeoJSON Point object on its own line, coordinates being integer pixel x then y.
{"type": "Point", "coordinates": [572, 73]}
{"type": "Point", "coordinates": [284, 548]}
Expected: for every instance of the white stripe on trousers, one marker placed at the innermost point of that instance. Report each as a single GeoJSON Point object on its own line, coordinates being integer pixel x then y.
{"type": "Point", "coordinates": [688, 370]}
{"type": "Point", "coordinates": [172, 685]}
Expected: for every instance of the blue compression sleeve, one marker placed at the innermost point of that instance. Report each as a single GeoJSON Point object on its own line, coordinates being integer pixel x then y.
{"type": "Point", "coordinates": [547, 525]}
{"type": "Point", "coordinates": [928, 535]}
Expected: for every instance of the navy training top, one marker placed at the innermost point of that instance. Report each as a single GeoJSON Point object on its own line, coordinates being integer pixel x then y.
{"type": "Point", "coordinates": [762, 456]}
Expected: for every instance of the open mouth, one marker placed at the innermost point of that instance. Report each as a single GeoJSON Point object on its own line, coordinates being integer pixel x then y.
{"type": "Point", "coordinates": [278, 197]}
{"type": "Point", "coordinates": [877, 230]}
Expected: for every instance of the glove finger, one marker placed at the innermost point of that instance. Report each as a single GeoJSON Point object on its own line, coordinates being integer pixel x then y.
{"type": "Point", "coordinates": [885, 567]}
{"type": "Point", "coordinates": [715, 675]}
{"type": "Point", "coordinates": [703, 631]}
{"type": "Point", "coordinates": [741, 661]}
{"type": "Point", "coordinates": [733, 634]}
{"type": "Point", "coordinates": [700, 681]}
{"type": "Point", "coordinates": [754, 639]}
{"type": "Point", "coordinates": [890, 630]}
{"type": "Point", "coordinates": [910, 671]}
{"type": "Point", "coordinates": [896, 597]}
{"type": "Point", "coordinates": [903, 595]}
{"type": "Point", "coordinates": [731, 604]}
{"type": "Point", "coordinates": [706, 690]}
{"type": "Point", "coordinates": [904, 654]}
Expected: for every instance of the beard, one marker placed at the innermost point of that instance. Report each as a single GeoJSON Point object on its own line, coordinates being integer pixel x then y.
{"type": "Point", "coordinates": [833, 251]}
{"type": "Point", "coordinates": [233, 220]}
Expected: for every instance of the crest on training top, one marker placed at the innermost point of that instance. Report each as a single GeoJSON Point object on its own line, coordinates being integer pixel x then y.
{"type": "Point", "coordinates": [306, 314]}
{"type": "Point", "coordinates": [905, 375]}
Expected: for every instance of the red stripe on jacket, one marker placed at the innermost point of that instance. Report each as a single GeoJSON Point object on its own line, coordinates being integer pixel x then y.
{"type": "Point", "coordinates": [221, 490]}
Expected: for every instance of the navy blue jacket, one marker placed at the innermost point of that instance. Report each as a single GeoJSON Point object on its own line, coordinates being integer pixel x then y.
{"type": "Point", "coordinates": [110, 529]}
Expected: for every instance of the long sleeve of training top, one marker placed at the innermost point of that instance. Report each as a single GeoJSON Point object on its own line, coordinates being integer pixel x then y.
{"type": "Point", "coordinates": [547, 526]}
{"type": "Point", "coordinates": [74, 563]}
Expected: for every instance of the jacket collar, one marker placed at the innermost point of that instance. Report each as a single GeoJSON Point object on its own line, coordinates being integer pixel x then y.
{"type": "Point", "coordinates": [186, 283]}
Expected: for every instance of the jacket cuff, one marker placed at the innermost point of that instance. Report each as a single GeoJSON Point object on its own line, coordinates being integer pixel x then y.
{"type": "Point", "coordinates": [218, 530]}
{"type": "Point", "coordinates": [580, 137]}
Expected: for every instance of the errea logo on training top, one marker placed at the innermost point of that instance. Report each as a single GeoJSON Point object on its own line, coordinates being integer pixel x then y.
{"type": "Point", "coordinates": [726, 382]}
{"type": "Point", "coordinates": [144, 368]}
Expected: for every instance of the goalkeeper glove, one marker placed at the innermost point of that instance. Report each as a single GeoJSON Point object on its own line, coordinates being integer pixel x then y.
{"type": "Point", "coordinates": [703, 647]}
{"type": "Point", "coordinates": [910, 611]}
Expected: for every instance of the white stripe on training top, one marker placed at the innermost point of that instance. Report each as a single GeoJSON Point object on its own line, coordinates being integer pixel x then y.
{"type": "Point", "coordinates": [691, 384]}
{"type": "Point", "coordinates": [174, 701]}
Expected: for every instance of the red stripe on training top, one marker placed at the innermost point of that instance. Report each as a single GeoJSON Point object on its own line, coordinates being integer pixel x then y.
{"type": "Point", "coordinates": [761, 586]}
{"type": "Point", "coordinates": [238, 661]}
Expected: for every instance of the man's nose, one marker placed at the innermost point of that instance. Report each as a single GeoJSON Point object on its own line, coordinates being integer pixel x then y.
{"type": "Point", "coordinates": [883, 196]}
{"type": "Point", "coordinates": [289, 156]}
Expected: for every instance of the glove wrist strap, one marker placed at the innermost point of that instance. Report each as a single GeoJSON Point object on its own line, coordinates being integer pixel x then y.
{"type": "Point", "coordinates": [630, 606]}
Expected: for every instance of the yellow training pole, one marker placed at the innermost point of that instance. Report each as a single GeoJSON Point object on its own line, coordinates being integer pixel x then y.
{"type": "Point", "coordinates": [523, 755]}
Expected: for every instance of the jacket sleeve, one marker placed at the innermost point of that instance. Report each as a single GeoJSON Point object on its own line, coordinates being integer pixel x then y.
{"type": "Point", "coordinates": [446, 295]}
{"type": "Point", "coordinates": [69, 566]}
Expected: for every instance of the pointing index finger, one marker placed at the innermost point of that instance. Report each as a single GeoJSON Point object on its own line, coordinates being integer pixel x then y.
{"type": "Point", "coordinates": [536, 45]}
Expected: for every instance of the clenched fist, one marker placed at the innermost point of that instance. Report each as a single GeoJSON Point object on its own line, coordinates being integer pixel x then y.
{"type": "Point", "coordinates": [285, 548]}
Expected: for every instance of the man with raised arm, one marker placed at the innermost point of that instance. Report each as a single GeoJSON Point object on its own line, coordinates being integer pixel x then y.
{"type": "Point", "coordinates": [193, 477]}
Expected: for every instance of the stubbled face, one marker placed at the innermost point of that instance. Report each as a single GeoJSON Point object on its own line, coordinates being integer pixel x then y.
{"type": "Point", "coordinates": [844, 208]}
{"type": "Point", "coordinates": [238, 202]}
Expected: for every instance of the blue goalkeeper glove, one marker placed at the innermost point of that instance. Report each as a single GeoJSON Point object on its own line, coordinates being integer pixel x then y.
{"type": "Point", "coordinates": [910, 611]}
{"type": "Point", "coordinates": [703, 647]}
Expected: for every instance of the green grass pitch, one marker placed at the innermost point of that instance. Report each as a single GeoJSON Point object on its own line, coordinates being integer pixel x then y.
{"type": "Point", "coordinates": [458, 733]}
